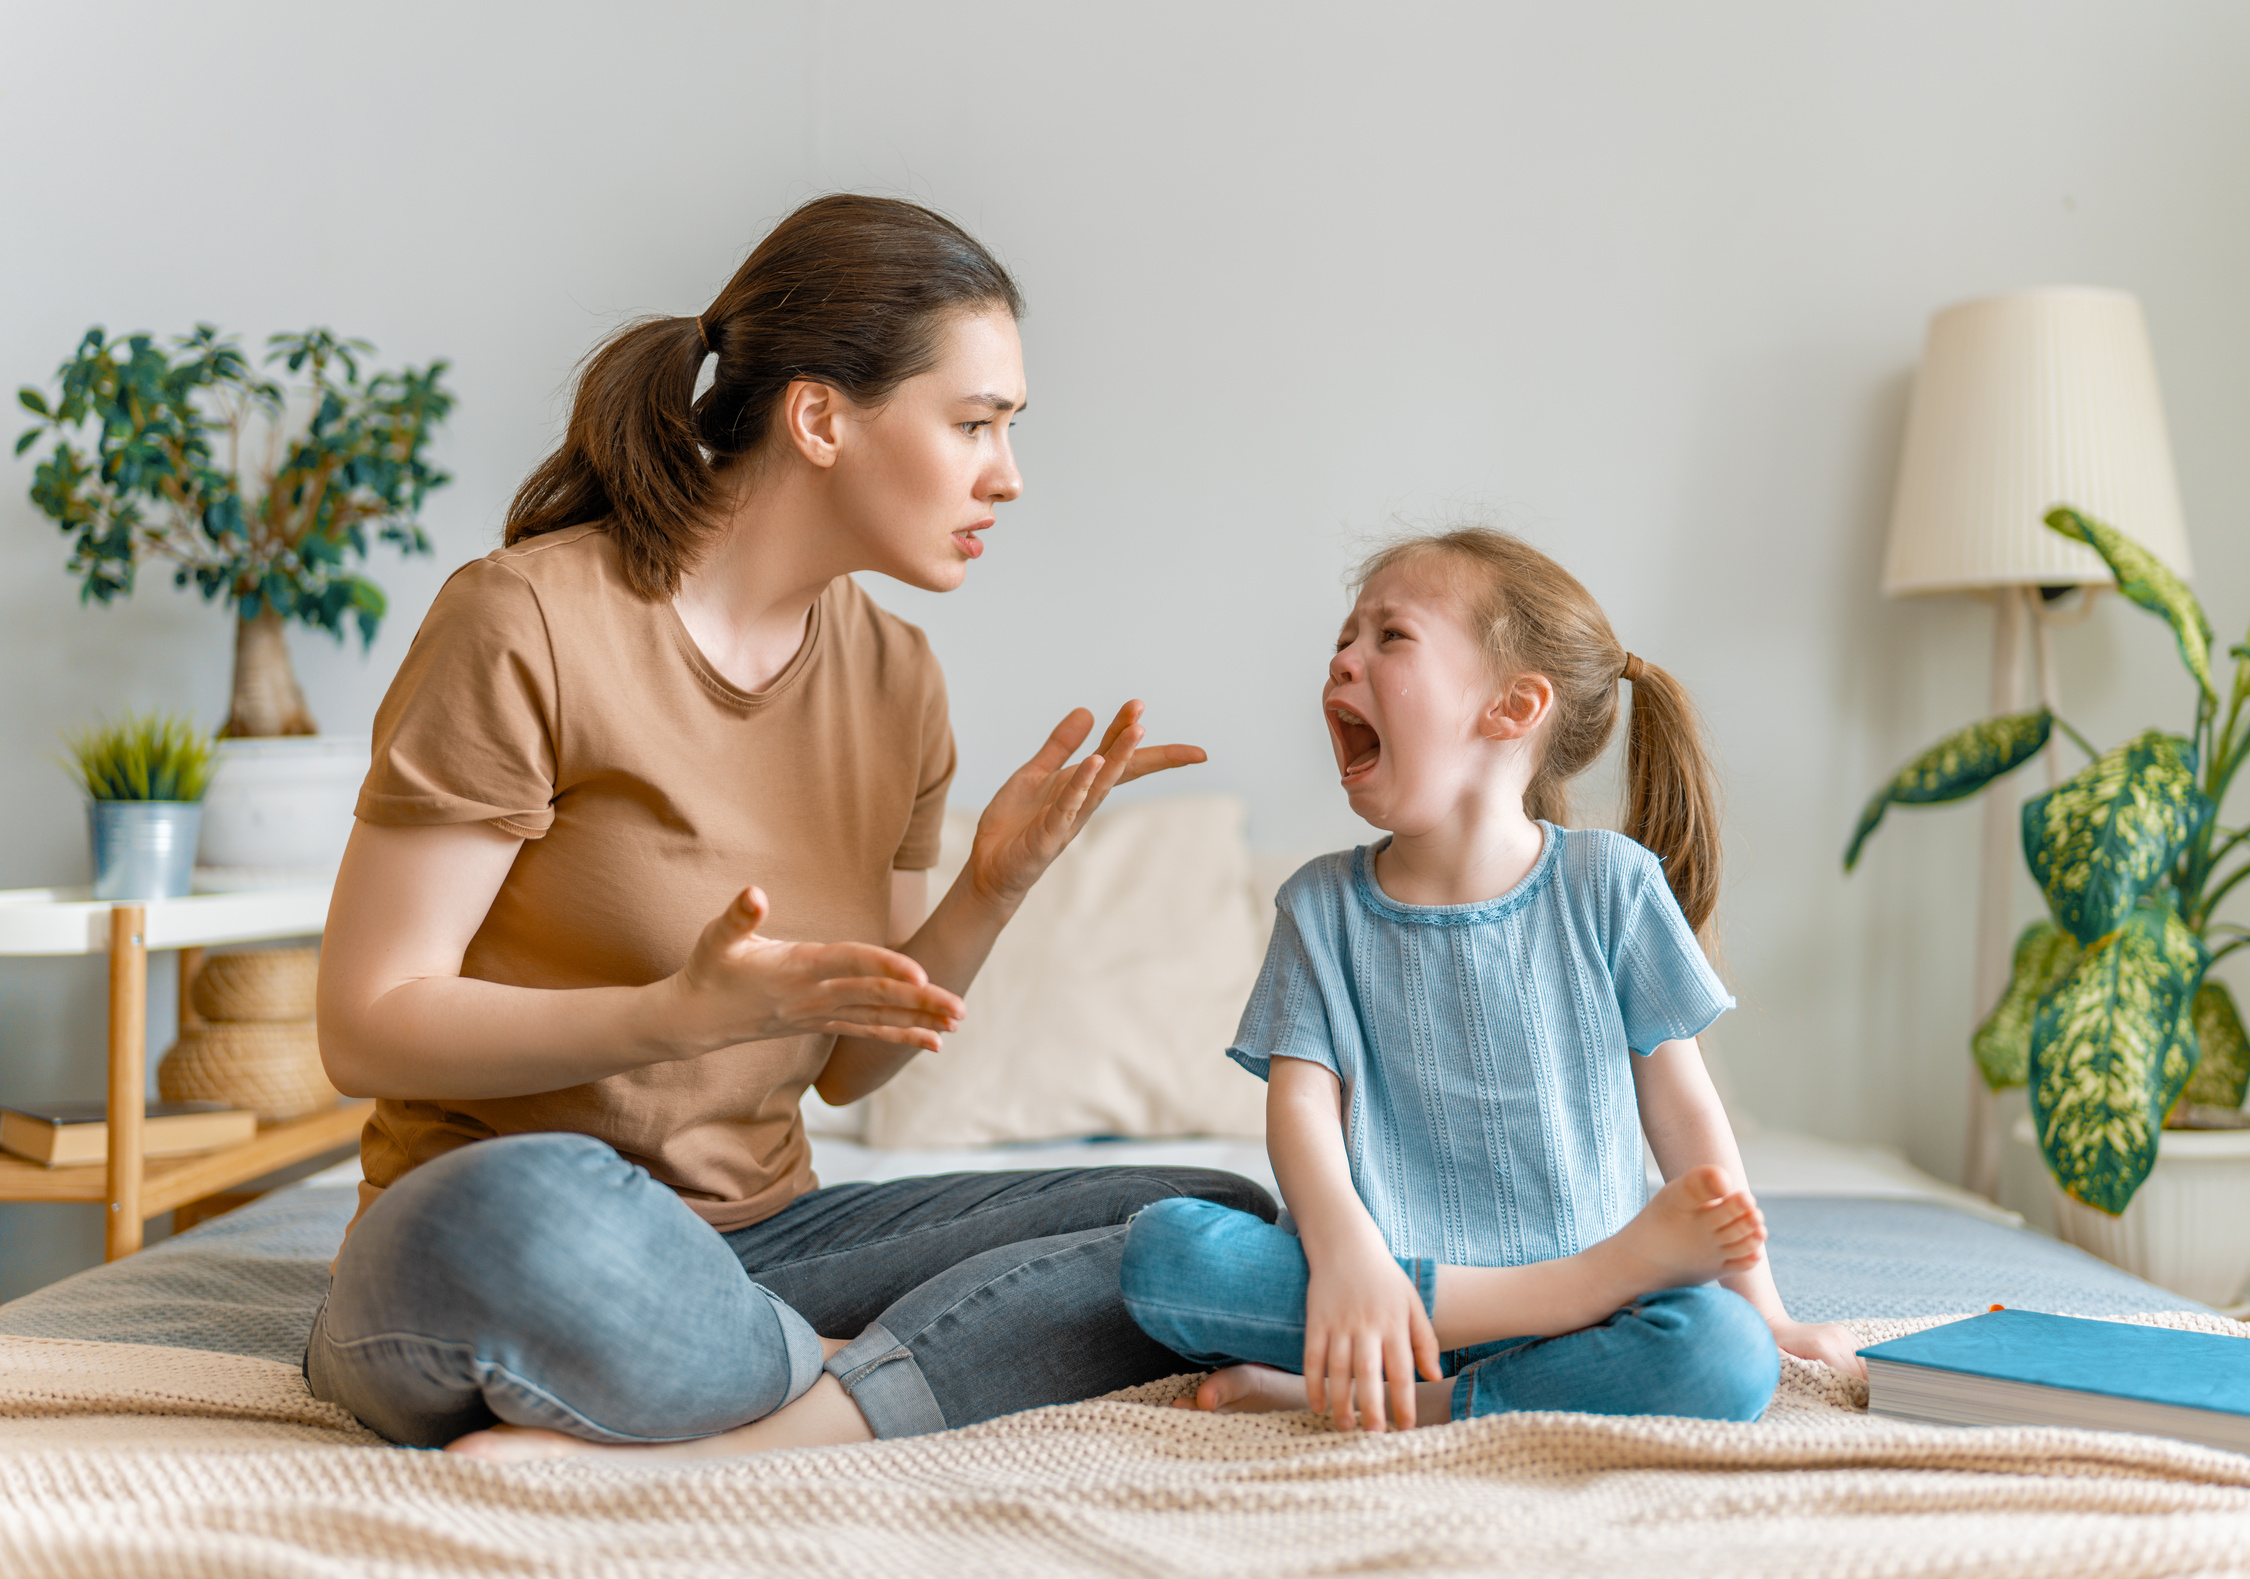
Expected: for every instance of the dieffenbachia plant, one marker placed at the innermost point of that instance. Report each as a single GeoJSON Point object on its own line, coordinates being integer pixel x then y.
{"type": "Point", "coordinates": [2110, 1016]}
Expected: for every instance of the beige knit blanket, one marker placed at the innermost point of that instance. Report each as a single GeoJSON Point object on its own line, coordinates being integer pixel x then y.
{"type": "Point", "coordinates": [130, 1460]}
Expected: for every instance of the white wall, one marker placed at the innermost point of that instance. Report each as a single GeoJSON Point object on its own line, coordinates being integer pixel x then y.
{"type": "Point", "coordinates": [1645, 280]}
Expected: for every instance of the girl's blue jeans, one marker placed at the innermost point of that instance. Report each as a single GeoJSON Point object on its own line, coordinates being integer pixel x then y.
{"type": "Point", "coordinates": [1218, 1287]}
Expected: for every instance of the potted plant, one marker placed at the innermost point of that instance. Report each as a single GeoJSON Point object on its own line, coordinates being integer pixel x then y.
{"type": "Point", "coordinates": [144, 780]}
{"type": "Point", "coordinates": [266, 495]}
{"type": "Point", "coordinates": [2111, 1017]}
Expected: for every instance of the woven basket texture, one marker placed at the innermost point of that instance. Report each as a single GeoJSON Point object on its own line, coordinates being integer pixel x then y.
{"type": "Point", "coordinates": [257, 984]}
{"type": "Point", "coordinates": [271, 1067]}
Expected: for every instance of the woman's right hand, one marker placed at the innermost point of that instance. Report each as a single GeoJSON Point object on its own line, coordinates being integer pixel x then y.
{"type": "Point", "coordinates": [740, 987]}
{"type": "Point", "coordinates": [1365, 1330]}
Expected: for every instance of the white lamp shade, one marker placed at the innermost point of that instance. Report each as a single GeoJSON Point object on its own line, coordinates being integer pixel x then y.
{"type": "Point", "coordinates": [2024, 402]}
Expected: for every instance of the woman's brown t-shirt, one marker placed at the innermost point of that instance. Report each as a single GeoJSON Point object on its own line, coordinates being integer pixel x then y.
{"type": "Point", "coordinates": [544, 697]}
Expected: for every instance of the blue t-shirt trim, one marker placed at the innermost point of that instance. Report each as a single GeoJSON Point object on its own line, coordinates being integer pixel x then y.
{"type": "Point", "coordinates": [1477, 912]}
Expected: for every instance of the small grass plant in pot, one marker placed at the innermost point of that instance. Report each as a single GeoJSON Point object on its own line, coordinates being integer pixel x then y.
{"type": "Point", "coordinates": [266, 492]}
{"type": "Point", "coordinates": [144, 778]}
{"type": "Point", "coordinates": [2135, 1056]}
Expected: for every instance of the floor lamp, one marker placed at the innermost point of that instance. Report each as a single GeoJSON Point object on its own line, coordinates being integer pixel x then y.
{"type": "Point", "coordinates": [2023, 402]}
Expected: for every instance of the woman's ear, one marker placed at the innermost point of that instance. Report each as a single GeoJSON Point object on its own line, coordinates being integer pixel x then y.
{"type": "Point", "coordinates": [1519, 709]}
{"type": "Point", "coordinates": [812, 420]}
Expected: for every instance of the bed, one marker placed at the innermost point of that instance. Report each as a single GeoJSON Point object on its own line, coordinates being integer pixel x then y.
{"type": "Point", "coordinates": [153, 1419]}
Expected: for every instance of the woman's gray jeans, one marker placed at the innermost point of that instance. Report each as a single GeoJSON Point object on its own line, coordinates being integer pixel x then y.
{"type": "Point", "coordinates": [546, 1281]}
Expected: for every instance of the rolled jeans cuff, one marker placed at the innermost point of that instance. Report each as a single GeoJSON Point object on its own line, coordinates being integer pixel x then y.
{"type": "Point", "coordinates": [803, 1345]}
{"type": "Point", "coordinates": [883, 1378]}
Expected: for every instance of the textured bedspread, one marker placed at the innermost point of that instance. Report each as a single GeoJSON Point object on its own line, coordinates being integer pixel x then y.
{"type": "Point", "coordinates": [185, 1443]}
{"type": "Point", "coordinates": [139, 1460]}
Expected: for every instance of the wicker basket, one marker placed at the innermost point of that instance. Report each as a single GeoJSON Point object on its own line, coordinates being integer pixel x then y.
{"type": "Point", "coordinates": [259, 984]}
{"type": "Point", "coordinates": [271, 1067]}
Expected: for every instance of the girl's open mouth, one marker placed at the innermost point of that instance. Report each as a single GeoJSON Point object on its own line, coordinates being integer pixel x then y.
{"type": "Point", "coordinates": [968, 541]}
{"type": "Point", "coordinates": [1360, 747]}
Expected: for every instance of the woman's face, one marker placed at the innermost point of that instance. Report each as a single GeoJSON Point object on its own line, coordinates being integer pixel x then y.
{"type": "Point", "coordinates": [925, 469]}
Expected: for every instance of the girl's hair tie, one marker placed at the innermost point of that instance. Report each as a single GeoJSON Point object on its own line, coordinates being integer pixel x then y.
{"type": "Point", "coordinates": [703, 334]}
{"type": "Point", "coordinates": [1633, 669]}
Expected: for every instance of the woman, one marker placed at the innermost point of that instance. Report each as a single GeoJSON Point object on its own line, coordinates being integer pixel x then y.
{"type": "Point", "coordinates": [589, 1215]}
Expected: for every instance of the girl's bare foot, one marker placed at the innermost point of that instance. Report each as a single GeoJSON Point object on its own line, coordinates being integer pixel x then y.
{"type": "Point", "coordinates": [1260, 1389]}
{"type": "Point", "coordinates": [1246, 1389]}
{"type": "Point", "coordinates": [1695, 1229]}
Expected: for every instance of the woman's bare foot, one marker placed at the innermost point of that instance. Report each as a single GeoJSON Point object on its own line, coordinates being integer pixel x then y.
{"type": "Point", "coordinates": [1246, 1389]}
{"type": "Point", "coordinates": [522, 1444]}
{"type": "Point", "coordinates": [824, 1417]}
{"type": "Point", "coordinates": [1695, 1229]}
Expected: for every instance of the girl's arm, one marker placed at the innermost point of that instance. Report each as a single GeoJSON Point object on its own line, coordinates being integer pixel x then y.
{"type": "Point", "coordinates": [1364, 1322]}
{"type": "Point", "coordinates": [1687, 1128]}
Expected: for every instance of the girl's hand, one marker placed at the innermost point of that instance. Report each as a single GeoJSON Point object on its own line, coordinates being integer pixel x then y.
{"type": "Point", "coordinates": [740, 987]}
{"type": "Point", "coordinates": [1365, 1333]}
{"type": "Point", "coordinates": [1044, 804]}
{"type": "Point", "coordinates": [1825, 1343]}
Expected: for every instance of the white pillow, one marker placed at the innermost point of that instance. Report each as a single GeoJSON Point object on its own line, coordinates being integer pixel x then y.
{"type": "Point", "coordinates": [1108, 1003]}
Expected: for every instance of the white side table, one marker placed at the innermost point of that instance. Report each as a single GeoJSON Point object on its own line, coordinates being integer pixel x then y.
{"type": "Point", "coordinates": [55, 921]}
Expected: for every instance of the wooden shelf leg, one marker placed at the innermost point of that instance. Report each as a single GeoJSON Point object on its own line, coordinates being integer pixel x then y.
{"type": "Point", "coordinates": [191, 961]}
{"type": "Point", "coordinates": [128, 1074]}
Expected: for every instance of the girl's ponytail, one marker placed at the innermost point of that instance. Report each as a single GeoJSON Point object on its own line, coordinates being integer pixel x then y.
{"type": "Point", "coordinates": [848, 291]}
{"type": "Point", "coordinates": [1671, 792]}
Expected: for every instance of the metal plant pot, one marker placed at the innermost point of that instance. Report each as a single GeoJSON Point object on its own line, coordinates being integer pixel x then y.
{"type": "Point", "coordinates": [143, 849]}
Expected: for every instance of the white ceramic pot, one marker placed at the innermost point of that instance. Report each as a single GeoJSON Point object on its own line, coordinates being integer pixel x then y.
{"type": "Point", "coordinates": [2188, 1227]}
{"type": "Point", "coordinates": [281, 807]}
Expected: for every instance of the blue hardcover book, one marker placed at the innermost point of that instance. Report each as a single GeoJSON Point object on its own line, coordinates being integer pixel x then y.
{"type": "Point", "coordinates": [2021, 1367]}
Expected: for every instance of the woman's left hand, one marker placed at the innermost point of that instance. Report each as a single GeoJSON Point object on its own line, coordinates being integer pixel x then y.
{"type": "Point", "coordinates": [1046, 802]}
{"type": "Point", "coordinates": [1825, 1343]}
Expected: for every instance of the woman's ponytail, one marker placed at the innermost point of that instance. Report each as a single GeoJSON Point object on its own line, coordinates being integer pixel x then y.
{"type": "Point", "coordinates": [631, 458]}
{"type": "Point", "coordinates": [1671, 792]}
{"type": "Point", "coordinates": [848, 291]}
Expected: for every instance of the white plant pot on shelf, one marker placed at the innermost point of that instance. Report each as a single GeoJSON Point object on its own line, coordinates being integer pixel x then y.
{"type": "Point", "coordinates": [2188, 1226]}
{"type": "Point", "coordinates": [279, 811]}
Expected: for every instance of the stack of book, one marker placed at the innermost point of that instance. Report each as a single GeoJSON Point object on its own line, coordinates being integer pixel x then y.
{"type": "Point", "coordinates": [66, 1134]}
{"type": "Point", "coordinates": [2020, 1367]}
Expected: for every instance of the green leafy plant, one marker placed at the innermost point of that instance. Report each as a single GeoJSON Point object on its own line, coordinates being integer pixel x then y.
{"type": "Point", "coordinates": [2111, 1017]}
{"type": "Point", "coordinates": [335, 458]}
{"type": "Point", "coordinates": [152, 757]}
